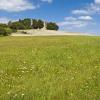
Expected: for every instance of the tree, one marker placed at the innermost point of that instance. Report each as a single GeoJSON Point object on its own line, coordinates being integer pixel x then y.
{"type": "Point", "coordinates": [26, 22]}
{"type": "Point", "coordinates": [52, 26]}
{"type": "Point", "coordinates": [17, 26]}
{"type": "Point", "coordinates": [40, 24]}
{"type": "Point", "coordinates": [35, 24]}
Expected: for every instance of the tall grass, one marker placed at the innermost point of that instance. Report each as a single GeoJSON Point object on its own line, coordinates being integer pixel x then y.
{"type": "Point", "coordinates": [50, 68]}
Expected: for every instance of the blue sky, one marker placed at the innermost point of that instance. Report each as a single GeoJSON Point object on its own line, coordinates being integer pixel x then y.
{"type": "Point", "coordinates": [70, 15]}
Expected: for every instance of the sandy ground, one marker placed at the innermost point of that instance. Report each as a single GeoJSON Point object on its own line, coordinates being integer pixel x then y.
{"type": "Point", "coordinates": [43, 33]}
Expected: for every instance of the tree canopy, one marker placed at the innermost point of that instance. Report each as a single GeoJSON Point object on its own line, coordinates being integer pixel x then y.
{"type": "Point", "coordinates": [32, 24]}
{"type": "Point", "coordinates": [52, 26]}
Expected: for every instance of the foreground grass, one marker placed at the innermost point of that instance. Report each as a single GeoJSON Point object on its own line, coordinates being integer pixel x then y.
{"type": "Point", "coordinates": [50, 68]}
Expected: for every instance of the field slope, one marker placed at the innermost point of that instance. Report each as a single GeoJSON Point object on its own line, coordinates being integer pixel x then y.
{"type": "Point", "coordinates": [50, 68]}
{"type": "Point", "coordinates": [35, 32]}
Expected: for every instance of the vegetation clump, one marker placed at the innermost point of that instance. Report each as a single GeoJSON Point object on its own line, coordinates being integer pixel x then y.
{"type": "Point", "coordinates": [52, 26]}
{"type": "Point", "coordinates": [35, 24]}
{"type": "Point", "coordinates": [32, 24]}
{"type": "Point", "coordinates": [7, 29]}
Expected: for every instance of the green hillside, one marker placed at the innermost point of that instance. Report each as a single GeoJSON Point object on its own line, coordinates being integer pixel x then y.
{"type": "Point", "coordinates": [50, 68]}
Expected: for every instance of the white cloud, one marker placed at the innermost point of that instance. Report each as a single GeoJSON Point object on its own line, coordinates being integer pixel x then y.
{"type": "Point", "coordinates": [85, 18]}
{"type": "Point", "coordinates": [97, 1]}
{"type": "Point", "coordinates": [49, 1]}
{"type": "Point", "coordinates": [70, 18]}
{"type": "Point", "coordinates": [15, 5]}
{"type": "Point", "coordinates": [80, 11]}
{"type": "Point", "coordinates": [19, 5]}
{"type": "Point", "coordinates": [77, 22]}
{"type": "Point", "coordinates": [71, 24]}
{"type": "Point", "coordinates": [92, 8]}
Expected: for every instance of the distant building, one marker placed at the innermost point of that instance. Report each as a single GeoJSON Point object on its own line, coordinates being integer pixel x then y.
{"type": "Point", "coordinates": [45, 25]}
{"type": "Point", "coordinates": [31, 22]}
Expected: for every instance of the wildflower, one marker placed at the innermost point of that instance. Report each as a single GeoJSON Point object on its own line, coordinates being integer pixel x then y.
{"type": "Point", "coordinates": [96, 67]}
{"type": "Point", "coordinates": [22, 71]}
{"type": "Point", "coordinates": [8, 92]}
{"type": "Point", "coordinates": [15, 95]}
{"type": "Point", "coordinates": [24, 62]}
{"type": "Point", "coordinates": [22, 94]}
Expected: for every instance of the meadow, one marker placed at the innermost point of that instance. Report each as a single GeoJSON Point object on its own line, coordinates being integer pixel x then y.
{"type": "Point", "coordinates": [50, 68]}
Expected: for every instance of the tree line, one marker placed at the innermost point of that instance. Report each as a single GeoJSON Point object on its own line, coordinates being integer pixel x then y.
{"type": "Point", "coordinates": [7, 29]}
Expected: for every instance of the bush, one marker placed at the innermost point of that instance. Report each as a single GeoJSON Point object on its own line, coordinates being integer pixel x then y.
{"type": "Point", "coordinates": [8, 31]}
{"type": "Point", "coordinates": [5, 31]}
{"type": "Point", "coordinates": [24, 32]}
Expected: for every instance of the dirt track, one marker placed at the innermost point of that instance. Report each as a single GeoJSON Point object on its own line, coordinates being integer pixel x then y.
{"type": "Point", "coordinates": [43, 33]}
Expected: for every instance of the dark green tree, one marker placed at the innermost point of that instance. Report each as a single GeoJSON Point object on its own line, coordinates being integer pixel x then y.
{"type": "Point", "coordinates": [52, 26]}
{"type": "Point", "coordinates": [35, 24]}
{"type": "Point", "coordinates": [40, 24]}
{"type": "Point", "coordinates": [26, 22]}
{"type": "Point", "coordinates": [17, 26]}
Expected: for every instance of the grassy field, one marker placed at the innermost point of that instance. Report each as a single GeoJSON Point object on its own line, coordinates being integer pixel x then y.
{"type": "Point", "coordinates": [50, 68]}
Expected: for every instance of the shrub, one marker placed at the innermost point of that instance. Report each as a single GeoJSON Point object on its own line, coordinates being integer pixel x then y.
{"type": "Point", "coordinates": [5, 31]}
{"type": "Point", "coordinates": [8, 31]}
{"type": "Point", "coordinates": [24, 32]}
{"type": "Point", "coordinates": [2, 31]}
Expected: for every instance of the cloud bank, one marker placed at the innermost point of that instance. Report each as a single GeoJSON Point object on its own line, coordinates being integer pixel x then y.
{"type": "Point", "coordinates": [93, 8]}
{"type": "Point", "coordinates": [19, 5]}
{"type": "Point", "coordinates": [83, 17]}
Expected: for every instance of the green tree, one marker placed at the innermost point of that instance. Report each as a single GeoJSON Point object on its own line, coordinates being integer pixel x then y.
{"type": "Point", "coordinates": [17, 26]}
{"type": "Point", "coordinates": [35, 24]}
{"type": "Point", "coordinates": [26, 22]}
{"type": "Point", "coordinates": [40, 24]}
{"type": "Point", "coordinates": [52, 26]}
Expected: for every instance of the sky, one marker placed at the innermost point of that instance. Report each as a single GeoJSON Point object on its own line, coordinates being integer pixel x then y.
{"type": "Point", "coordinates": [71, 15]}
